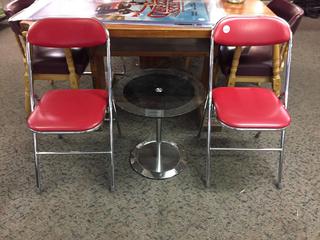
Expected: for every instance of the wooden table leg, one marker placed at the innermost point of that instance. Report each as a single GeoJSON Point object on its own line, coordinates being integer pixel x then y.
{"type": "Point", "coordinates": [97, 68]}
{"type": "Point", "coordinates": [205, 73]}
{"type": "Point", "coordinates": [204, 81]}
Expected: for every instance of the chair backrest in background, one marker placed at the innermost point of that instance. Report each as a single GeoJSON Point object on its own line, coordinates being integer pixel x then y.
{"type": "Point", "coordinates": [288, 11]}
{"type": "Point", "coordinates": [14, 7]}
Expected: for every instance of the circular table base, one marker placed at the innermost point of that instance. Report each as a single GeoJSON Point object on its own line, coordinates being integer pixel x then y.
{"type": "Point", "coordinates": [144, 160]}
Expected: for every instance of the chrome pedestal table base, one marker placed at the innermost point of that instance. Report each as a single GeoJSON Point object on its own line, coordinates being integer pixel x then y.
{"type": "Point", "coordinates": [158, 93]}
{"type": "Point", "coordinates": [157, 159]}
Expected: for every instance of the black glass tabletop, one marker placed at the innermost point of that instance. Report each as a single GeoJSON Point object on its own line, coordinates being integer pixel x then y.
{"type": "Point", "coordinates": [159, 93]}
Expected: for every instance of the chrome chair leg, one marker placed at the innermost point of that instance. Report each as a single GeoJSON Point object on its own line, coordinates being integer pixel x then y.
{"type": "Point", "coordinates": [280, 163]}
{"type": "Point", "coordinates": [111, 178]}
{"type": "Point", "coordinates": [112, 181]}
{"type": "Point", "coordinates": [208, 170]}
{"type": "Point", "coordinates": [116, 118]}
{"type": "Point", "coordinates": [203, 117]}
{"type": "Point", "coordinates": [112, 185]}
{"type": "Point", "coordinates": [36, 163]}
{"type": "Point", "coordinates": [208, 161]}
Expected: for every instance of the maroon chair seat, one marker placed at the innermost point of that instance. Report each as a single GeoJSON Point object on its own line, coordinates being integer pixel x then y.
{"type": "Point", "coordinates": [249, 108]}
{"type": "Point", "coordinates": [254, 61]}
{"type": "Point", "coordinates": [14, 7]}
{"type": "Point", "coordinates": [53, 60]}
{"type": "Point", "coordinates": [69, 110]}
{"type": "Point", "coordinates": [287, 10]}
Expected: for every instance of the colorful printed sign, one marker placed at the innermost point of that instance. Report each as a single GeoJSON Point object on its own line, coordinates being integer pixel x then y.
{"type": "Point", "coordinates": [159, 11]}
{"type": "Point", "coordinates": [176, 12]}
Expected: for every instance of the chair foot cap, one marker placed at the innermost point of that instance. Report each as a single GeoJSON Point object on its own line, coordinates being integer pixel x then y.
{"type": "Point", "coordinates": [279, 185]}
{"type": "Point", "coordinates": [38, 190]}
{"type": "Point", "coordinates": [112, 188]}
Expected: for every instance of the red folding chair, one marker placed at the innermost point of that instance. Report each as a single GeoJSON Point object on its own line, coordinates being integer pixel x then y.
{"type": "Point", "coordinates": [249, 108]}
{"type": "Point", "coordinates": [70, 111]}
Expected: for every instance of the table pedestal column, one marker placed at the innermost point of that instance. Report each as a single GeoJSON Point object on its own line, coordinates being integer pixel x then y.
{"type": "Point", "coordinates": [157, 159]}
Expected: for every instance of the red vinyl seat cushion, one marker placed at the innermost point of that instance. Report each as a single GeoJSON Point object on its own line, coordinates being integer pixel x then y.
{"type": "Point", "coordinates": [245, 107]}
{"type": "Point", "coordinates": [68, 110]}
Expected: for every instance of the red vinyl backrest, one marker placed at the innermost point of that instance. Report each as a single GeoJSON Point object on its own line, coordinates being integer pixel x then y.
{"type": "Point", "coordinates": [67, 33]}
{"type": "Point", "coordinates": [251, 31]}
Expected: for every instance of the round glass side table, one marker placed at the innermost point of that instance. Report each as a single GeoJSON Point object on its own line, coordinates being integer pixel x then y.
{"type": "Point", "coordinates": [158, 93]}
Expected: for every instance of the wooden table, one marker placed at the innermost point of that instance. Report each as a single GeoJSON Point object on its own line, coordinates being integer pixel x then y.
{"type": "Point", "coordinates": [249, 7]}
{"type": "Point", "coordinates": [148, 40]}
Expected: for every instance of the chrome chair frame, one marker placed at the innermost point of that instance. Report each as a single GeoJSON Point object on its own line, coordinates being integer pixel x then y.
{"type": "Point", "coordinates": [209, 106]}
{"type": "Point", "coordinates": [37, 153]}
